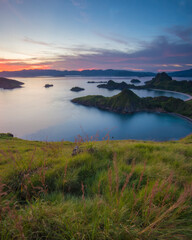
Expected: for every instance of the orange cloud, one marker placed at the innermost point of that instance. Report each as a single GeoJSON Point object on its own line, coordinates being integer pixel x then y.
{"type": "Point", "coordinates": [15, 67]}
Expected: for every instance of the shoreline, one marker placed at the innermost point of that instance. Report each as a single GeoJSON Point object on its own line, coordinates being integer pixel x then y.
{"type": "Point", "coordinates": [146, 110]}
{"type": "Point", "coordinates": [181, 116]}
{"type": "Point", "coordinates": [186, 94]}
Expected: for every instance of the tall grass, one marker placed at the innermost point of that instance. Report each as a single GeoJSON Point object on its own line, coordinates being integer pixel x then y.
{"type": "Point", "coordinates": [107, 190]}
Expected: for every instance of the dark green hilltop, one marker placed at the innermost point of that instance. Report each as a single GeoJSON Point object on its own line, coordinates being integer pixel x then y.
{"type": "Point", "coordinates": [129, 102]}
{"type": "Point", "coordinates": [161, 81]}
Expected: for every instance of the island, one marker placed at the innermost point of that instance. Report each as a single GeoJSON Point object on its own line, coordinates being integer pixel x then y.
{"type": "Point", "coordinates": [161, 81]}
{"type": "Point", "coordinates": [6, 83]}
{"type": "Point", "coordinates": [128, 102]}
{"type": "Point", "coordinates": [111, 85]}
{"type": "Point", "coordinates": [97, 82]}
{"type": "Point", "coordinates": [77, 89]}
{"type": "Point", "coordinates": [135, 80]}
{"type": "Point", "coordinates": [48, 85]}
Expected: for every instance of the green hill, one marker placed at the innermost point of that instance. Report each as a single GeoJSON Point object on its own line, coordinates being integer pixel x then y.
{"type": "Point", "coordinates": [160, 81]}
{"type": "Point", "coordinates": [165, 82]}
{"type": "Point", "coordinates": [95, 190]}
{"type": "Point", "coordinates": [129, 102]}
{"type": "Point", "coordinates": [124, 102]}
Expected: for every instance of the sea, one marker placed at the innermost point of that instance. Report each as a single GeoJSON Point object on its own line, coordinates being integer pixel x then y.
{"type": "Point", "coordinates": [34, 112]}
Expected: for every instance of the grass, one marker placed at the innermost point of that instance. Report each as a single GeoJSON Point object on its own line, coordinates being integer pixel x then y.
{"type": "Point", "coordinates": [102, 190]}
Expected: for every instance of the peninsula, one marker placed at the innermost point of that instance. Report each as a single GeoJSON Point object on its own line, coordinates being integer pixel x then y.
{"type": "Point", "coordinates": [129, 102]}
{"type": "Point", "coordinates": [161, 81]}
{"type": "Point", "coordinates": [6, 83]}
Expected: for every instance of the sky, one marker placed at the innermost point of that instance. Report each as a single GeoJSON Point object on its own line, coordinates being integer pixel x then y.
{"type": "Point", "coordinates": [137, 35]}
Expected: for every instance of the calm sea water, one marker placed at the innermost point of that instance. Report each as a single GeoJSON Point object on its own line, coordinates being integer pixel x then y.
{"type": "Point", "coordinates": [37, 113]}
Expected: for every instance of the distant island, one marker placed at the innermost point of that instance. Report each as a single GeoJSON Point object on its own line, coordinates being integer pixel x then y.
{"type": "Point", "coordinates": [6, 83]}
{"type": "Point", "coordinates": [135, 81]}
{"type": "Point", "coordinates": [77, 89]}
{"type": "Point", "coordinates": [48, 85]}
{"type": "Point", "coordinates": [161, 81]}
{"type": "Point", "coordinates": [97, 82]}
{"type": "Point", "coordinates": [87, 73]}
{"type": "Point", "coordinates": [129, 102]}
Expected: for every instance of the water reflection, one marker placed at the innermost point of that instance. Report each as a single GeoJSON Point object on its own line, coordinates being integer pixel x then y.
{"type": "Point", "coordinates": [34, 112]}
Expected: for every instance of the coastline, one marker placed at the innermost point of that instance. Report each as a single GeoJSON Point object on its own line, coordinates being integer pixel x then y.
{"type": "Point", "coordinates": [186, 94]}
{"type": "Point", "coordinates": [145, 110]}
{"type": "Point", "coordinates": [182, 116]}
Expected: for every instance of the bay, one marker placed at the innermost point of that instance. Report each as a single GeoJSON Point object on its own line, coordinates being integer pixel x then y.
{"type": "Point", "coordinates": [37, 113]}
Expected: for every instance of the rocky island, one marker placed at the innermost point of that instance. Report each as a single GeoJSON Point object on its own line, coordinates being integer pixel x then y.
{"type": "Point", "coordinates": [111, 85]}
{"type": "Point", "coordinates": [77, 89]}
{"type": "Point", "coordinates": [6, 83]}
{"type": "Point", "coordinates": [129, 102]}
{"type": "Point", "coordinates": [48, 85]}
{"type": "Point", "coordinates": [135, 81]}
{"type": "Point", "coordinates": [161, 81]}
{"type": "Point", "coordinates": [97, 82]}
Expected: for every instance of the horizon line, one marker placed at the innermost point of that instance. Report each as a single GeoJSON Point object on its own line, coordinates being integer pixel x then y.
{"type": "Point", "coordinates": [93, 69]}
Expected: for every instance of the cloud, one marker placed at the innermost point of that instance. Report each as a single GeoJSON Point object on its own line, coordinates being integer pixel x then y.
{"type": "Point", "coordinates": [181, 32]}
{"type": "Point", "coordinates": [111, 37]}
{"type": "Point", "coordinates": [159, 54]}
{"type": "Point", "coordinates": [30, 40]}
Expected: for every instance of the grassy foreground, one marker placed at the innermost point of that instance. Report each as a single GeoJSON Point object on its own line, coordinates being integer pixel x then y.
{"type": "Point", "coordinates": [95, 190]}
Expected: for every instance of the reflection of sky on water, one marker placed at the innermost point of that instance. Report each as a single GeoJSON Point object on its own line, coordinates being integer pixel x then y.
{"type": "Point", "coordinates": [39, 113]}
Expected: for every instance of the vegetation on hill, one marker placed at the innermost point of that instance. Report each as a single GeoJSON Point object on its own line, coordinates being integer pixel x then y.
{"type": "Point", "coordinates": [160, 81]}
{"type": "Point", "coordinates": [170, 104]}
{"type": "Point", "coordinates": [111, 85]}
{"type": "Point", "coordinates": [163, 81]}
{"type": "Point", "coordinates": [6, 83]}
{"type": "Point", "coordinates": [6, 135]}
{"type": "Point", "coordinates": [128, 102]}
{"type": "Point", "coordinates": [124, 102]}
{"type": "Point", "coordinates": [106, 190]}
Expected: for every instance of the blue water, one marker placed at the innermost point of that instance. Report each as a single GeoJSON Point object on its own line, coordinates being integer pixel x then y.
{"type": "Point", "coordinates": [36, 113]}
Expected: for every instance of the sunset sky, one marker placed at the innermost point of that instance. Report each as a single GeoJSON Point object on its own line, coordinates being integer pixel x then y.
{"type": "Point", "coordinates": [142, 35]}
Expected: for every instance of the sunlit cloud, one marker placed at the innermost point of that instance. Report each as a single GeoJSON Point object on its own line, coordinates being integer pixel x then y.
{"type": "Point", "coordinates": [159, 54]}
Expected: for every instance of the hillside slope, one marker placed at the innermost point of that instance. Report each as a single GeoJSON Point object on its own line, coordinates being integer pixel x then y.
{"type": "Point", "coordinates": [102, 190]}
{"type": "Point", "coordinates": [129, 102]}
{"type": "Point", "coordinates": [124, 102]}
{"type": "Point", "coordinates": [161, 81]}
